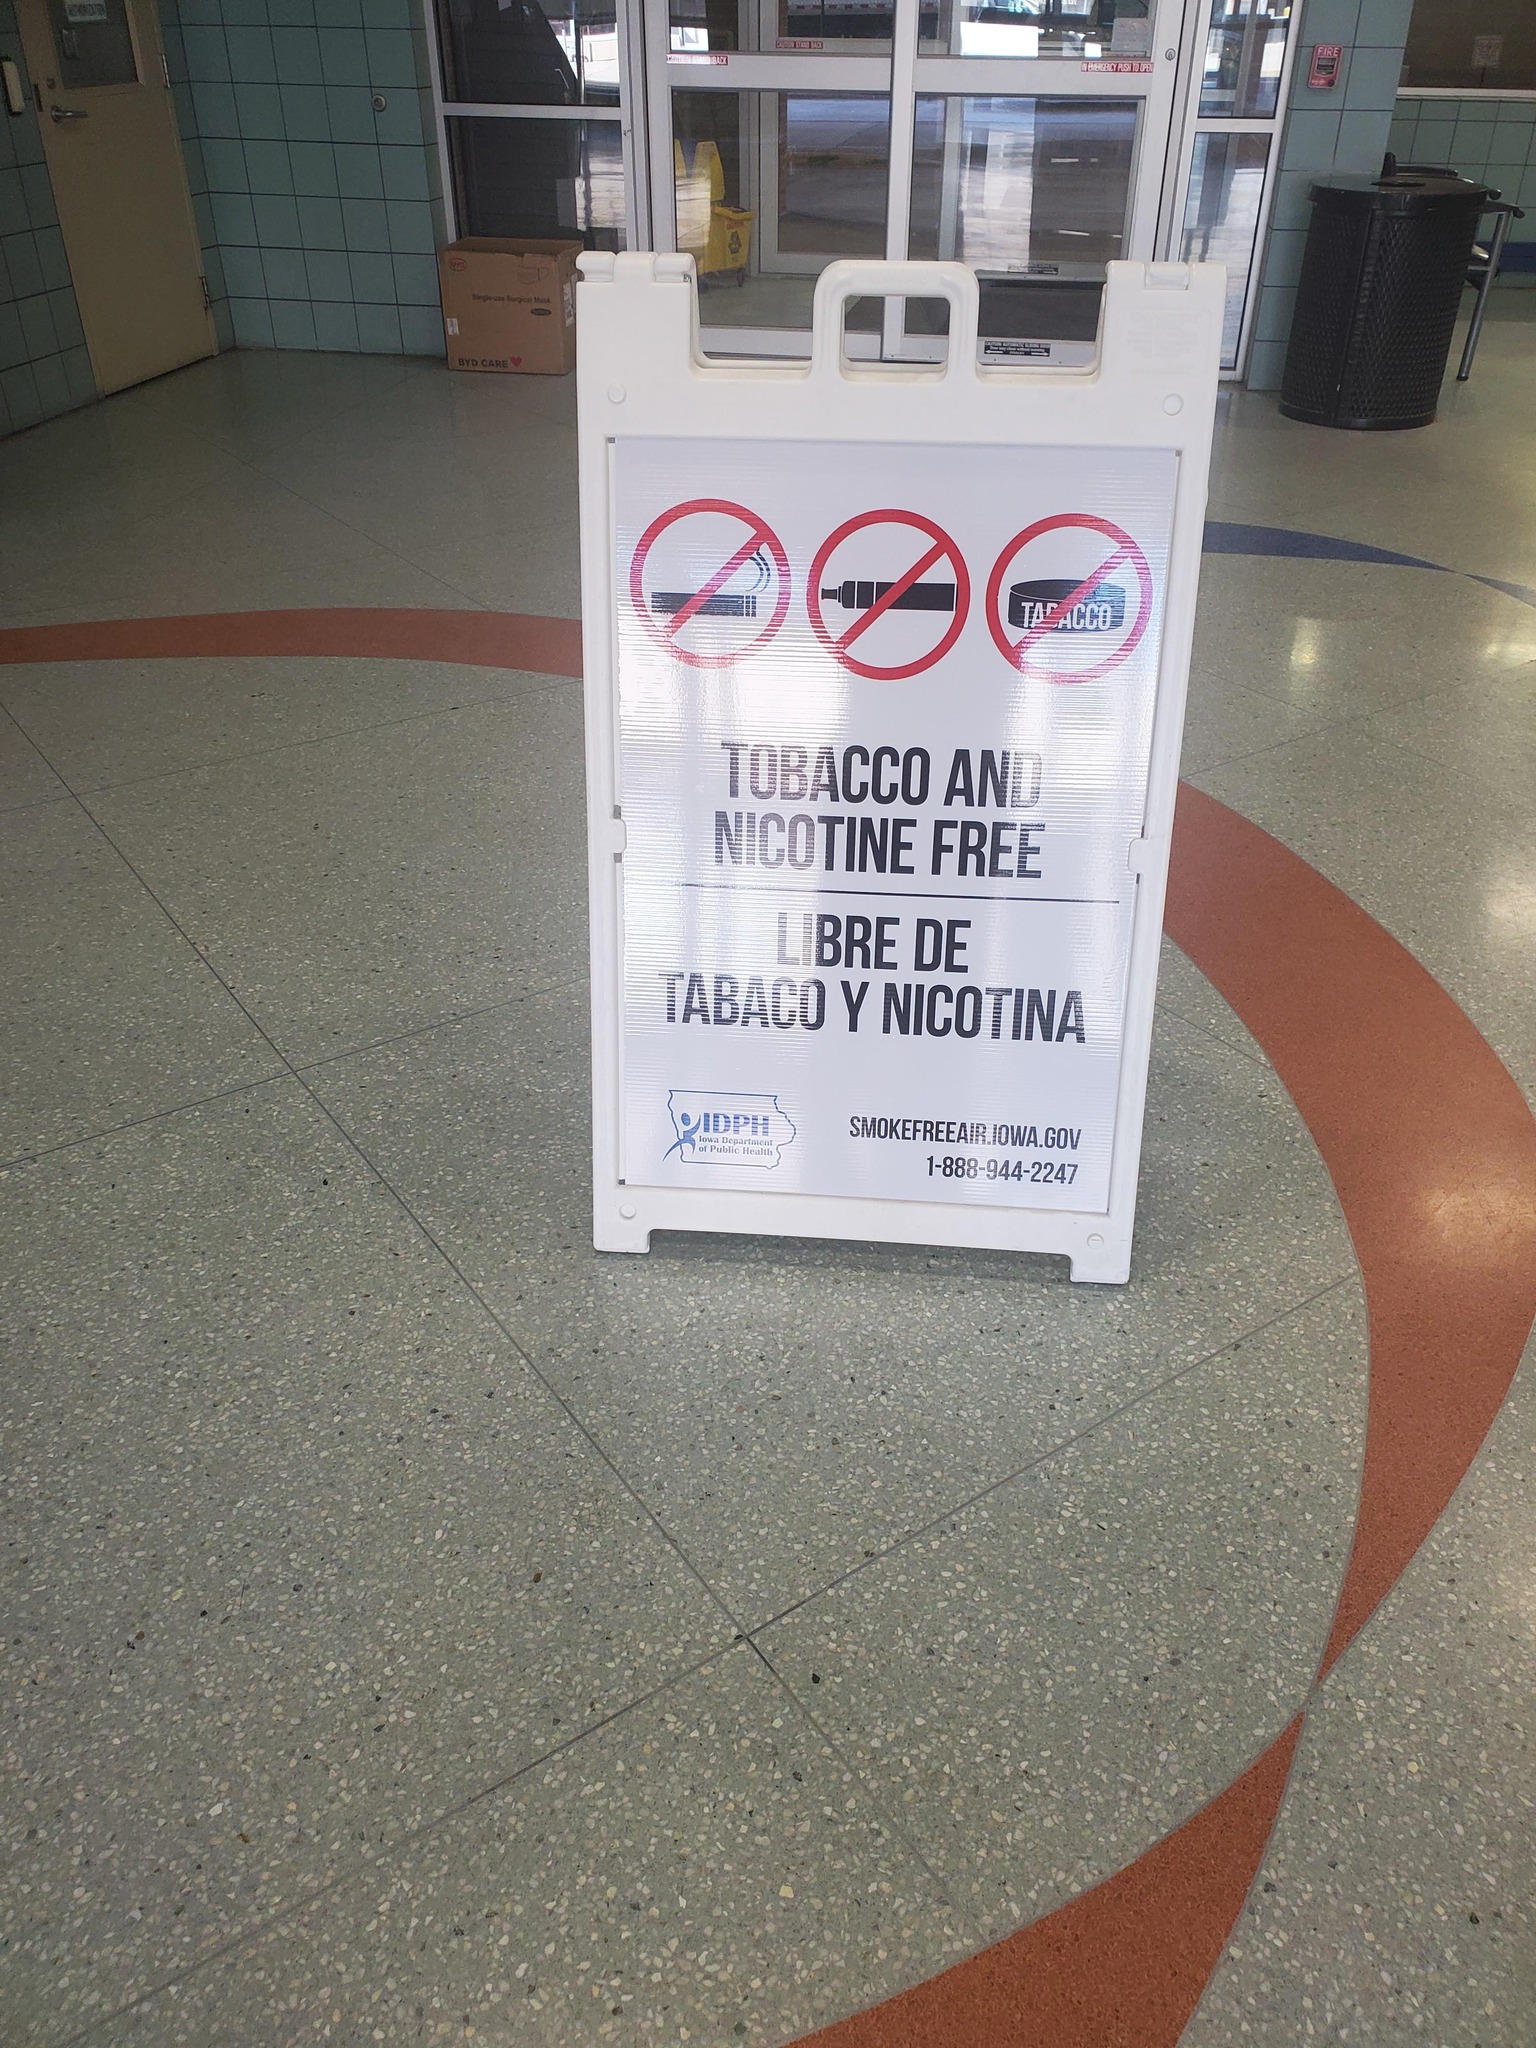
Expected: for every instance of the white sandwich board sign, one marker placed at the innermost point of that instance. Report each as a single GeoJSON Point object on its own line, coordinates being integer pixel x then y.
{"type": "Point", "coordinates": [885, 677]}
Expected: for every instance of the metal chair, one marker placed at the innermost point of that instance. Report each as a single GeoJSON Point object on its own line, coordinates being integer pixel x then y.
{"type": "Point", "coordinates": [1484, 266]}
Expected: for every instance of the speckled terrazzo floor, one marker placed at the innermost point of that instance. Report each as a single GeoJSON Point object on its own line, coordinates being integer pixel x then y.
{"type": "Point", "coordinates": [418, 1627]}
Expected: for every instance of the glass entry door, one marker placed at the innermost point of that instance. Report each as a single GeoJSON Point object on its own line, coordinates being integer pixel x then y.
{"type": "Point", "coordinates": [1028, 138]}
{"type": "Point", "coordinates": [532, 99]}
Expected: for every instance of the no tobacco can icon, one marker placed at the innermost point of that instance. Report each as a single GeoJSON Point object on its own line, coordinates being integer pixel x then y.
{"type": "Point", "coordinates": [1069, 598]}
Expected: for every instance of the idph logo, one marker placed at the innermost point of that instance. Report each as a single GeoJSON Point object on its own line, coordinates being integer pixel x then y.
{"type": "Point", "coordinates": [727, 1130]}
{"type": "Point", "coordinates": [1100, 610]}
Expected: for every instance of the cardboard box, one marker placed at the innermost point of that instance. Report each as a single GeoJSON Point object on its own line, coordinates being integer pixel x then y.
{"type": "Point", "coordinates": [509, 305]}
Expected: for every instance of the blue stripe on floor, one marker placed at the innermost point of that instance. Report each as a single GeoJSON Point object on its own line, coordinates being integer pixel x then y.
{"type": "Point", "coordinates": [1232, 537]}
{"type": "Point", "coordinates": [1235, 537]}
{"type": "Point", "coordinates": [1522, 591]}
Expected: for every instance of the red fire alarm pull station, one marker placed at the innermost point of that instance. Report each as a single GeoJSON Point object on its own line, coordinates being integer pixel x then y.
{"type": "Point", "coordinates": [1326, 59]}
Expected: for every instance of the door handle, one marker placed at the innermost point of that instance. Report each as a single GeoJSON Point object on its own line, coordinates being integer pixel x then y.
{"type": "Point", "coordinates": [68, 113]}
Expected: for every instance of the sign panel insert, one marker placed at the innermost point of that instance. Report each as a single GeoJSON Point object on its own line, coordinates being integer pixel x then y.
{"type": "Point", "coordinates": [876, 895]}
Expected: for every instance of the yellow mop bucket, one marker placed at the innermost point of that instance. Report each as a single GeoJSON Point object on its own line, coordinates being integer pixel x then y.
{"type": "Point", "coordinates": [730, 238]}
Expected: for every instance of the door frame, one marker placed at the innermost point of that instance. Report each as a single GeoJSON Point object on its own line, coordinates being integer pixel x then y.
{"type": "Point", "coordinates": [1191, 124]}
{"type": "Point", "coordinates": [900, 74]}
{"type": "Point", "coordinates": [650, 71]}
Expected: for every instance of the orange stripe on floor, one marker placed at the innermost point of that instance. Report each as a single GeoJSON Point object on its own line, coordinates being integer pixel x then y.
{"type": "Point", "coordinates": [1430, 1145]}
{"type": "Point", "coordinates": [480, 639]}
{"type": "Point", "coordinates": [1121, 1967]}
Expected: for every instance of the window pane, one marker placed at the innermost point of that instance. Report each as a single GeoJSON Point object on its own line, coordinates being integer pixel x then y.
{"type": "Point", "coordinates": [1243, 56]}
{"type": "Point", "coordinates": [1489, 47]}
{"type": "Point", "coordinates": [695, 26]}
{"type": "Point", "coordinates": [837, 21]}
{"type": "Point", "coordinates": [834, 159]}
{"type": "Point", "coordinates": [822, 194]}
{"type": "Point", "coordinates": [1221, 218]}
{"type": "Point", "coordinates": [768, 188]}
{"type": "Point", "coordinates": [539, 179]}
{"type": "Point", "coordinates": [1029, 186]}
{"type": "Point", "coordinates": [94, 43]}
{"type": "Point", "coordinates": [859, 27]}
{"type": "Point", "coordinates": [1040, 28]}
{"type": "Point", "coordinates": [530, 53]}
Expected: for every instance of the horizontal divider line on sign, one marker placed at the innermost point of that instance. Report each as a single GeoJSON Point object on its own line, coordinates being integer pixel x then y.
{"type": "Point", "coordinates": [884, 895]}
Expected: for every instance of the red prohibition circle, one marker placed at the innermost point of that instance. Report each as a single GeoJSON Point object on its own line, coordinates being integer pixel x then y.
{"type": "Point", "coordinates": [942, 547]}
{"type": "Point", "coordinates": [1015, 653]}
{"type": "Point", "coordinates": [759, 534]}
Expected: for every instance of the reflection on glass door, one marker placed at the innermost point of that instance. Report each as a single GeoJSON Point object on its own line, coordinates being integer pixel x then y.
{"type": "Point", "coordinates": [1034, 194]}
{"type": "Point", "coordinates": [1221, 218]}
{"type": "Point", "coordinates": [695, 27]}
{"type": "Point", "coordinates": [531, 96]}
{"type": "Point", "coordinates": [560, 53]}
{"type": "Point", "coordinates": [833, 168]}
{"type": "Point", "coordinates": [539, 180]}
{"type": "Point", "coordinates": [1034, 187]}
{"type": "Point", "coordinates": [860, 27]}
{"type": "Point", "coordinates": [1084, 29]}
{"type": "Point", "coordinates": [1244, 56]}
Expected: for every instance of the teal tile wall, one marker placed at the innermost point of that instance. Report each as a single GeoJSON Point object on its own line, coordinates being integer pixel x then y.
{"type": "Point", "coordinates": [1345, 129]}
{"type": "Point", "coordinates": [1491, 140]}
{"type": "Point", "coordinates": [321, 213]}
{"type": "Point", "coordinates": [44, 366]}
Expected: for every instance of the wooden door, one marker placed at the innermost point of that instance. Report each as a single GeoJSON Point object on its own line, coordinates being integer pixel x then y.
{"type": "Point", "coordinates": [119, 183]}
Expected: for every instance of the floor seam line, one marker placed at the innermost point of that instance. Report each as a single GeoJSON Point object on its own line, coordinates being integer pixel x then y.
{"type": "Point", "coordinates": [1067, 1443]}
{"type": "Point", "coordinates": [897, 1826]}
{"type": "Point", "coordinates": [362, 533]}
{"type": "Point", "coordinates": [290, 1072]}
{"type": "Point", "coordinates": [37, 803]}
{"type": "Point", "coordinates": [649, 1514]}
{"type": "Point", "coordinates": [247, 462]}
{"type": "Point", "coordinates": [357, 1052]}
{"type": "Point", "coordinates": [411, 1839]}
{"type": "Point", "coordinates": [1170, 1008]}
{"type": "Point", "coordinates": [137, 1123]}
{"type": "Point", "coordinates": [205, 960]}
{"type": "Point", "coordinates": [1295, 739]}
{"type": "Point", "coordinates": [198, 953]}
{"type": "Point", "coordinates": [331, 419]}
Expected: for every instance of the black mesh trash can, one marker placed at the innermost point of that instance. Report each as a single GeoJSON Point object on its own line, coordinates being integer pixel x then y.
{"type": "Point", "coordinates": [1381, 280]}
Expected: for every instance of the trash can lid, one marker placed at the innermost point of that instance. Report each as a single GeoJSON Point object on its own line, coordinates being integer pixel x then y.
{"type": "Point", "coordinates": [1405, 192]}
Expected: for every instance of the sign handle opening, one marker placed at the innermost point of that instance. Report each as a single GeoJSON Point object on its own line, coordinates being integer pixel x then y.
{"type": "Point", "coordinates": [840, 282]}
